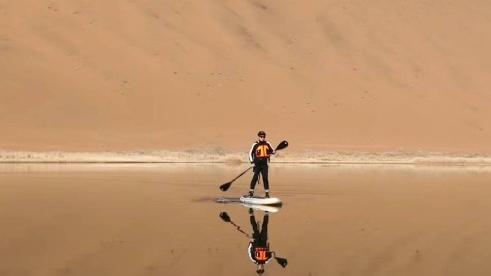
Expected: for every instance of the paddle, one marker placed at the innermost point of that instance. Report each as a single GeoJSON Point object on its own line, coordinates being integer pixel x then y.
{"type": "Point", "coordinates": [226, 186]}
{"type": "Point", "coordinates": [281, 145]}
{"type": "Point", "coordinates": [224, 216]}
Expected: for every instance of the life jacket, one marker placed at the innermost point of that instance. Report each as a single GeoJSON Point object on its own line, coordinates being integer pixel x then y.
{"type": "Point", "coordinates": [262, 151]}
{"type": "Point", "coordinates": [261, 254]}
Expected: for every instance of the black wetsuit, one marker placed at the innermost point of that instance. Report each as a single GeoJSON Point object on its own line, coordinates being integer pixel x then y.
{"type": "Point", "coordinates": [259, 155]}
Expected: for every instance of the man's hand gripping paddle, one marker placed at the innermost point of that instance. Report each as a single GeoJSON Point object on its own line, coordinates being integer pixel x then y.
{"type": "Point", "coordinates": [226, 186]}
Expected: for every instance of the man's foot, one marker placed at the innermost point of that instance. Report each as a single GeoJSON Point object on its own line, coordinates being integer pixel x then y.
{"type": "Point", "coordinates": [250, 194]}
{"type": "Point", "coordinates": [267, 195]}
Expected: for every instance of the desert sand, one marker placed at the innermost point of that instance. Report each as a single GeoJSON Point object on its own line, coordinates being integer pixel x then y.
{"type": "Point", "coordinates": [357, 76]}
{"type": "Point", "coordinates": [163, 220]}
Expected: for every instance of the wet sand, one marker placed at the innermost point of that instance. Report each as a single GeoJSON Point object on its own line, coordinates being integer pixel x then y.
{"type": "Point", "coordinates": [162, 220]}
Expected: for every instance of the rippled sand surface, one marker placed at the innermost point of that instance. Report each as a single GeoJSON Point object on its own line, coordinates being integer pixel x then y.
{"type": "Point", "coordinates": [163, 220]}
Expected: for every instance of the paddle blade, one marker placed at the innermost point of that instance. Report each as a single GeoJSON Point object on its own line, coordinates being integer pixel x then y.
{"type": "Point", "coordinates": [224, 216]}
{"type": "Point", "coordinates": [225, 186]}
{"type": "Point", "coordinates": [281, 145]}
{"type": "Point", "coordinates": [282, 261]}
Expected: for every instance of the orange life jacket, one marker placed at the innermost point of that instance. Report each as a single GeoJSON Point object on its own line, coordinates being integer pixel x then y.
{"type": "Point", "coordinates": [262, 151]}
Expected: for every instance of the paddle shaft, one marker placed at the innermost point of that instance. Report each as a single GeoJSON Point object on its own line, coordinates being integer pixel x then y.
{"type": "Point", "coordinates": [242, 174]}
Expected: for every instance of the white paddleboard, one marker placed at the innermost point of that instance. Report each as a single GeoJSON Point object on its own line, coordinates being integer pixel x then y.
{"type": "Point", "coordinates": [271, 201]}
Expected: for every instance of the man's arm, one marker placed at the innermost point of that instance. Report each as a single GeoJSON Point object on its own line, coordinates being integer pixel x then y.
{"type": "Point", "coordinates": [251, 152]}
{"type": "Point", "coordinates": [271, 150]}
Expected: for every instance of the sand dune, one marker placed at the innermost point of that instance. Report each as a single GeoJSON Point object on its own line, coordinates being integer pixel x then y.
{"type": "Point", "coordinates": [177, 75]}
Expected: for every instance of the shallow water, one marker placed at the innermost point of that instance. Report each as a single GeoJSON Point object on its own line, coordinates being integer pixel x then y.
{"type": "Point", "coordinates": [163, 220]}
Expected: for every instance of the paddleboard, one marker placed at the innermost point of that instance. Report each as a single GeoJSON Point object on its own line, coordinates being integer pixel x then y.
{"type": "Point", "coordinates": [271, 201]}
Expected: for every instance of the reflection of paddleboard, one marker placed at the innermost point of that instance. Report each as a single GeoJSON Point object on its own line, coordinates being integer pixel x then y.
{"type": "Point", "coordinates": [271, 201]}
{"type": "Point", "coordinates": [265, 208]}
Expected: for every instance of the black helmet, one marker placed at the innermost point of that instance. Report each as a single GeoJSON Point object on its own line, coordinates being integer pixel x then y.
{"type": "Point", "coordinates": [261, 133]}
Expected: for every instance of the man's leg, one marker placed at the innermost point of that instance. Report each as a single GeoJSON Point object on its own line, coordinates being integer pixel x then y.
{"type": "Point", "coordinates": [264, 172]}
{"type": "Point", "coordinates": [254, 181]}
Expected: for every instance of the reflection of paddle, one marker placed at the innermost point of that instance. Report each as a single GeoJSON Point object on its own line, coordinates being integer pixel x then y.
{"type": "Point", "coordinates": [224, 216]}
{"type": "Point", "coordinates": [281, 261]}
{"type": "Point", "coordinates": [226, 186]}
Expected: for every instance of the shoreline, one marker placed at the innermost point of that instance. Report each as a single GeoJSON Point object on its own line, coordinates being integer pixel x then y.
{"type": "Point", "coordinates": [205, 156]}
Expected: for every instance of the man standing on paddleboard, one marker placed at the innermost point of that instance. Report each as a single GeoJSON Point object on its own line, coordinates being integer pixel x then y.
{"type": "Point", "coordinates": [259, 155]}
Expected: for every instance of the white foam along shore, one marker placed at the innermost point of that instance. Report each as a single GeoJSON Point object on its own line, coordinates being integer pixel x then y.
{"type": "Point", "coordinates": [214, 156]}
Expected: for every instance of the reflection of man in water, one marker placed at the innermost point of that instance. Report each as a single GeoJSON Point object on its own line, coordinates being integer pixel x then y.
{"type": "Point", "coordinates": [258, 250]}
{"type": "Point", "coordinates": [259, 245]}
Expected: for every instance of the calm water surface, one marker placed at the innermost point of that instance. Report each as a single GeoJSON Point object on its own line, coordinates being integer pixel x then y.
{"type": "Point", "coordinates": [164, 220]}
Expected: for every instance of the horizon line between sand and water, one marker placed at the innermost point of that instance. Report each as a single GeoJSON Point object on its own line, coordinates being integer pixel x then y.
{"type": "Point", "coordinates": [159, 156]}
